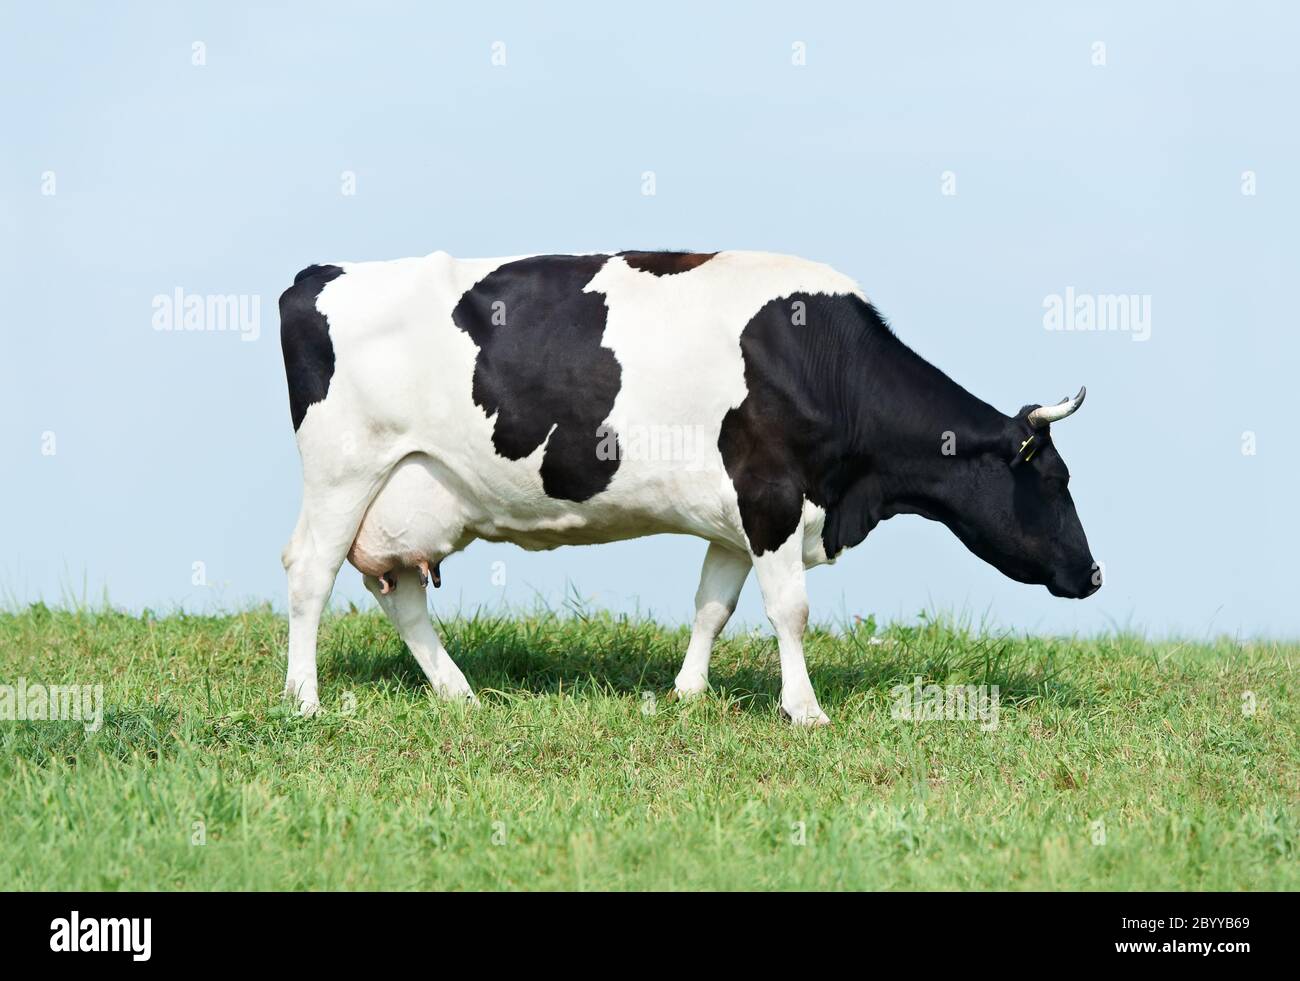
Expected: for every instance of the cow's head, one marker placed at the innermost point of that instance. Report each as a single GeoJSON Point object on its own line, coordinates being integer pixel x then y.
{"type": "Point", "coordinates": [1013, 507]}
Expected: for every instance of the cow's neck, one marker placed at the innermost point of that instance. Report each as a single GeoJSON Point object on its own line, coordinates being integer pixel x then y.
{"type": "Point", "coordinates": [917, 429]}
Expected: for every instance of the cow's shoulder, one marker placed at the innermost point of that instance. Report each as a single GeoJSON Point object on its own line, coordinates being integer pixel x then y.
{"type": "Point", "coordinates": [790, 441]}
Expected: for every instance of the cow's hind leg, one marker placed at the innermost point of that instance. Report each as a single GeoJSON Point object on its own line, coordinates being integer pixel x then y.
{"type": "Point", "coordinates": [326, 527]}
{"type": "Point", "coordinates": [407, 607]}
{"type": "Point", "coordinates": [721, 580]}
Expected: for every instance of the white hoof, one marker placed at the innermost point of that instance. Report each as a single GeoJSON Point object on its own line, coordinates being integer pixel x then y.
{"type": "Point", "coordinates": [457, 692]}
{"type": "Point", "coordinates": [689, 687]}
{"type": "Point", "coordinates": [808, 714]}
{"type": "Point", "coordinates": [304, 693]}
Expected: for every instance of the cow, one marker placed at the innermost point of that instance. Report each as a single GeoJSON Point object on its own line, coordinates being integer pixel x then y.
{"type": "Point", "coordinates": [437, 401]}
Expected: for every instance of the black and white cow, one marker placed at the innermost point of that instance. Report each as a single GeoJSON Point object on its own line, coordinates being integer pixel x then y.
{"type": "Point", "coordinates": [528, 400]}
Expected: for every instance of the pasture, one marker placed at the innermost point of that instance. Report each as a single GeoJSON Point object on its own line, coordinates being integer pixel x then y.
{"type": "Point", "coordinates": [1116, 763]}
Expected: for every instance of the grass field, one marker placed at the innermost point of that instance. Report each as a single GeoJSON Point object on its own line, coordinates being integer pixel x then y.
{"type": "Point", "coordinates": [1117, 763]}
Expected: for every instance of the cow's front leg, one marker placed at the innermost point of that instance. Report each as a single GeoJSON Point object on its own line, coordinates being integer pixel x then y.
{"type": "Point", "coordinates": [721, 580]}
{"type": "Point", "coordinates": [407, 607]}
{"type": "Point", "coordinates": [781, 578]}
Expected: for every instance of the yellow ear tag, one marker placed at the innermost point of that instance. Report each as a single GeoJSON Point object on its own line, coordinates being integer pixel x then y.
{"type": "Point", "coordinates": [1031, 452]}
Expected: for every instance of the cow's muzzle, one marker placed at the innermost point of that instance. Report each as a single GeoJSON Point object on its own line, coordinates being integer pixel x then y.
{"type": "Point", "coordinates": [1076, 587]}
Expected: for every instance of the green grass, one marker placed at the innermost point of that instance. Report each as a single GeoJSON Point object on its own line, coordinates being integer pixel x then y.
{"type": "Point", "coordinates": [568, 777]}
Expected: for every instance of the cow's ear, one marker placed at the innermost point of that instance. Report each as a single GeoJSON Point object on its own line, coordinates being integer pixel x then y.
{"type": "Point", "coordinates": [1024, 441]}
{"type": "Point", "coordinates": [1028, 446]}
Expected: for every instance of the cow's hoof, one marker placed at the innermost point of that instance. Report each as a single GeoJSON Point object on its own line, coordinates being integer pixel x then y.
{"type": "Point", "coordinates": [304, 695]}
{"type": "Point", "coordinates": [461, 696]}
{"type": "Point", "coordinates": [306, 704]}
{"type": "Point", "coordinates": [684, 689]}
{"type": "Point", "coordinates": [808, 716]}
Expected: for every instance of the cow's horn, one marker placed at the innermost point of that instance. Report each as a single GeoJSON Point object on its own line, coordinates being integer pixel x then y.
{"type": "Point", "coordinates": [1044, 414]}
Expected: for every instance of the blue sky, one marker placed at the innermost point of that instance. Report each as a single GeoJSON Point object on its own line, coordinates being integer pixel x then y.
{"type": "Point", "coordinates": [130, 171]}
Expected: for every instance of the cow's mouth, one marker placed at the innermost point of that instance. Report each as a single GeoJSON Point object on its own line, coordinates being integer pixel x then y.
{"type": "Point", "coordinates": [1080, 590]}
